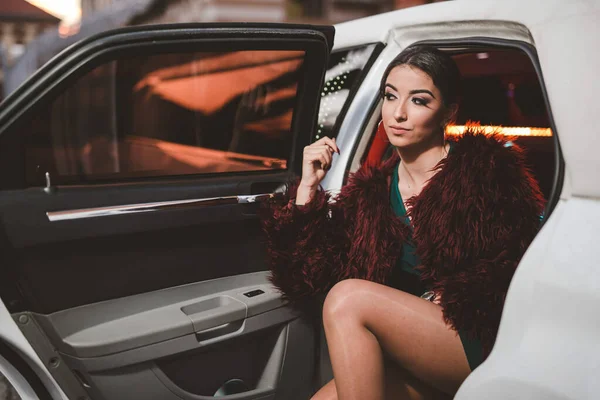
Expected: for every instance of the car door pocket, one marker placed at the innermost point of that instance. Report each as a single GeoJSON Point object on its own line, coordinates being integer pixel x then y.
{"type": "Point", "coordinates": [243, 367]}
{"type": "Point", "coordinates": [214, 315]}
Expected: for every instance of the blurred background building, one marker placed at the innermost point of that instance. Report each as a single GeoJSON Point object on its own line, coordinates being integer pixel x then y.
{"type": "Point", "coordinates": [334, 11]}
{"type": "Point", "coordinates": [20, 23]}
{"type": "Point", "coordinates": [27, 43]}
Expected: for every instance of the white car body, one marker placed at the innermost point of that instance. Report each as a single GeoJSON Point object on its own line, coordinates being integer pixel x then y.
{"type": "Point", "coordinates": [547, 346]}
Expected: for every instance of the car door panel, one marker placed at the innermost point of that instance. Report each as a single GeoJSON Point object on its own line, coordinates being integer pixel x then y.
{"type": "Point", "coordinates": [64, 264]}
{"type": "Point", "coordinates": [33, 217]}
{"type": "Point", "coordinates": [136, 288]}
{"type": "Point", "coordinates": [76, 272]}
{"type": "Point", "coordinates": [208, 328]}
{"type": "Point", "coordinates": [128, 323]}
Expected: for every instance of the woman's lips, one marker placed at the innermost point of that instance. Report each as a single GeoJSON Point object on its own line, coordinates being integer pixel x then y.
{"type": "Point", "coordinates": [397, 130]}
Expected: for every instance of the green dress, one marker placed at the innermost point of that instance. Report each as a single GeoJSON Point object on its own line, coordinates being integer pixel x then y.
{"type": "Point", "coordinates": [404, 276]}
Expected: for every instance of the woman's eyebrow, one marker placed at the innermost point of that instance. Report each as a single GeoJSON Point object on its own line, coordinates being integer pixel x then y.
{"type": "Point", "coordinates": [417, 91]}
{"type": "Point", "coordinates": [414, 91]}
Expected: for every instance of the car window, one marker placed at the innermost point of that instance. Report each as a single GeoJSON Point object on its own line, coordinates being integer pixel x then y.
{"type": "Point", "coordinates": [344, 73]}
{"type": "Point", "coordinates": [167, 115]}
{"type": "Point", "coordinates": [502, 91]}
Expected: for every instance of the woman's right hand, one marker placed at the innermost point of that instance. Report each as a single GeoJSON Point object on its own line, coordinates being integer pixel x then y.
{"type": "Point", "coordinates": [315, 164]}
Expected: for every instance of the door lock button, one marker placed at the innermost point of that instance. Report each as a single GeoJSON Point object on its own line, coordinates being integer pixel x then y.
{"type": "Point", "coordinates": [253, 293]}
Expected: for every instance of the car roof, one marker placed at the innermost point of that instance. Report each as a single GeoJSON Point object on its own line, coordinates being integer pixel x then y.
{"type": "Point", "coordinates": [530, 13]}
{"type": "Point", "coordinates": [565, 35]}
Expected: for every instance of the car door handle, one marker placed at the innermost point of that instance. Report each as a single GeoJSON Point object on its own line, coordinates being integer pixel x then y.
{"type": "Point", "coordinates": [65, 215]}
{"type": "Point", "coordinates": [254, 198]}
{"type": "Point", "coordinates": [216, 316]}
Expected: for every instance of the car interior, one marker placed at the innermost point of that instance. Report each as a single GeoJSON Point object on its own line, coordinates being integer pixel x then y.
{"type": "Point", "coordinates": [136, 268]}
{"type": "Point", "coordinates": [502, 93]}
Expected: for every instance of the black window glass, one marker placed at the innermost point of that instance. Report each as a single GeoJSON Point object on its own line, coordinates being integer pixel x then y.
{"type": "Point", "coordinates": [166, 115]}
{"type": "Point", "coordinates": [502, 92]}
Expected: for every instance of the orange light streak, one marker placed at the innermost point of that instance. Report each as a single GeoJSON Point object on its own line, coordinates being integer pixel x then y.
{"type": "Point", "coordinates": [504, 130]}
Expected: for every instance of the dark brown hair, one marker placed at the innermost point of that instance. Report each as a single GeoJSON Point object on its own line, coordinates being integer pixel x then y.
{"type": "Point", "coordinates": [440, 67]}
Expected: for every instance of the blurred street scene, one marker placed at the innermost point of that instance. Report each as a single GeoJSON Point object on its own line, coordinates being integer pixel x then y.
{"type": "Point", "coordinates": [32, 32]}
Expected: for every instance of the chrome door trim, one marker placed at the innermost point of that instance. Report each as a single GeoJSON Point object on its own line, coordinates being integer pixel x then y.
{"type": "Point", "coordinates": [358, 112]}
{"type": "Point", "coordinates": [66, 215]}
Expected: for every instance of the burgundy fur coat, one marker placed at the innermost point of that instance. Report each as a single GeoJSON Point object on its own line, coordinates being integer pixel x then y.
{"type": "Point", "coordinates": [471, 225]}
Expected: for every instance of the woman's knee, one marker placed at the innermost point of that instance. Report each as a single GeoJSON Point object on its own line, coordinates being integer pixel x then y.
{"type": "Point", "coordinates": [345, 300]}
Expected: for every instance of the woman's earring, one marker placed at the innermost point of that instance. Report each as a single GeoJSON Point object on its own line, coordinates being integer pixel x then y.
{"type": "Point", "coordinates": [381, 132]}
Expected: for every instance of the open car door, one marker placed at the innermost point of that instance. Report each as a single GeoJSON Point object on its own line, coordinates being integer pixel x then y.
{"type": "Point", "coordinates": [132, 166]}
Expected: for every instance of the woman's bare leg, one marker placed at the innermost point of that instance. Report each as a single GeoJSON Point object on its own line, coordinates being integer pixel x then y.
{"type": "Point", "coordinates": [399, 384]}
{"type": "Point", "coordinates": [363, 320]}
{"type": "Point", "coordinates": [327, 392]}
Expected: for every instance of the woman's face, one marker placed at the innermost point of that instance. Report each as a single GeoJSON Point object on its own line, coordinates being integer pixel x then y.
{"type": "Point", "coordinates": [413, 110]}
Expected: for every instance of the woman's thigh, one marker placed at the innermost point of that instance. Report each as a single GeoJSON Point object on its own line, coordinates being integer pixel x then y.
{"type": "Point", "coordinates": [399, 384]}
{"type": "Point", "coordinates": [411, 331]}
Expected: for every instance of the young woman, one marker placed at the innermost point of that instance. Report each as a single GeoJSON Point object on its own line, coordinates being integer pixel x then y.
{"type": "Point", "coordinates": [448, 217]}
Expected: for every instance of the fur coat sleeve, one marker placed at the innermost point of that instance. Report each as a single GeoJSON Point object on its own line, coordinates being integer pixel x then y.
{"type": "Point", "coordinates": [312, 247]}
{"type": "Point", "coordinates": [304, 243]}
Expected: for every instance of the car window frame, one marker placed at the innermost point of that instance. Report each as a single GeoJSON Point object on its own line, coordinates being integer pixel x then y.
{"type": "Point", "coordinates": [531, 52]}
{"type": "Point", "coordinates": [66, 69]}
{"type": "Point", "coordinates": [74, 79]}
{"type": "Point", "coordinates": [363, 73]}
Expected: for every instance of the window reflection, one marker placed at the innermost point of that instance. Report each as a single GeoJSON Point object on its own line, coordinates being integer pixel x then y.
{"type": "Point", "coordinates": [341, 79]}
{"type": "Point", "coordinates": [170, 114]}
